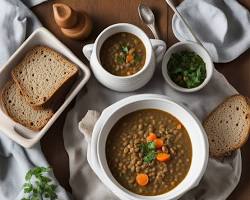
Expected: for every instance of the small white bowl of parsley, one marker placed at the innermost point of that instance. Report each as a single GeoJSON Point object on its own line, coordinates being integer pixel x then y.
{"type": "Point", "coordinates": [187, 66]}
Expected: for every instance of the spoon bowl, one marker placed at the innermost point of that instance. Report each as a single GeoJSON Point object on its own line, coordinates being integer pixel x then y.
{"type": "Point", "coordinates": [147, 16]}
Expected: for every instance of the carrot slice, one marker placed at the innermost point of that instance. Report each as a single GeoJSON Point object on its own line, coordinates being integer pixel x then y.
{"type": "Point", "coordinates": [158, 143]}
{"type": "Point", "coordinates": [151, 137]}
{"type": "Point", "coordinates": [162, 157]}
{"type": "Point", "coordinates": [129, 58]}
{"type": "Point", "coordinates": [142, 179]}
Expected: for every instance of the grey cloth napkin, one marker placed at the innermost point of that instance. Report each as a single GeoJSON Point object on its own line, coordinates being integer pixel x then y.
{"type": "Point", "coordinates": [221, 177]}
{"type": "Point", "coordinates": [31, 3]}
{"type": "Point", "coordinates": [222, 26]}
{"type": "Point", "coordinates": [15, 161]}
{"type": "Point", "coordinates": [16, 23]}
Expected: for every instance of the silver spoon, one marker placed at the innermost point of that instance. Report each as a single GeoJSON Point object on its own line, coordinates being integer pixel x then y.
{"type": "Point", "coordinates": [147, 16]}
{"type": "Point", "coordinates": [172, 6]}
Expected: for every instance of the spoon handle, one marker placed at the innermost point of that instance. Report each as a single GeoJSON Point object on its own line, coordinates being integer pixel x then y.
{"type": "Point", "coordinates": [172, 6]}
{"type": "Point", "coordinates": [154, 31]}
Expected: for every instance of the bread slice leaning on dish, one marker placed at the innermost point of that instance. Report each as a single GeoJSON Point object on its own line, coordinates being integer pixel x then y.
{"type": "Point", "coordinates": [228, 125]}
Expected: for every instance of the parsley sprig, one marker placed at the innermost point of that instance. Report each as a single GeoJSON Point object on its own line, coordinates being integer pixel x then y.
{"type": "Point", "coordinates": [149, 151]}
{"type": "Point", "coordinates": [39, 186]}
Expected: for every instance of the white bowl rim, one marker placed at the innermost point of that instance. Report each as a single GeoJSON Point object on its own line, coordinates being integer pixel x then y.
{"type": "Point", "coordinates": [209, 66]}
{"type": "Point", "coordinates": [141, 97]}
{"type": "Point", "coordinates": [147, 60]}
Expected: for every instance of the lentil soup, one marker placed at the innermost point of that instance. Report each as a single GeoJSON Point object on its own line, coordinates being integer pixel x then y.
{"type": "Point", "coordinates": [149, 152]}
{"type": "Point", "coordinates": [123, 54]}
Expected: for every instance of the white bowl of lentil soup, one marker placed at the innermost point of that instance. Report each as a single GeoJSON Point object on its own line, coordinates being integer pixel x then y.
{"type": "Point", "coordinates": [123, 58]}
{"type": "Point", "coordinates": [147, 147]}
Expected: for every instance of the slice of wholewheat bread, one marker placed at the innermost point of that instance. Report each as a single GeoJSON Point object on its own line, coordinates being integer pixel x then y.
{"type": "Point", "coordinates": [41, 73]}
{"type": "Point", "coordinates": [227, 127]}
{"type": "Point", "coordinates": [22, 112]}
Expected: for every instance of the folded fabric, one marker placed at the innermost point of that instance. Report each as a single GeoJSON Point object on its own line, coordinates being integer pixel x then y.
{"type": "Point", "coordinates": [222, 26]}
{"type": "Point", "coordinates": [31, 3]}
{"type": "Point", "coordinates": [16, 23]}
{"type": "Point", "coordinates": [86, 185]}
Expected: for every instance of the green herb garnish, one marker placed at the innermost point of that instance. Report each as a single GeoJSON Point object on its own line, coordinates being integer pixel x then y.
{"type": "Point", "coordinates": [149, 157]}
{"type": "Point", "coordinates": [148, 150]}
{"type": "Point", "coordinates": [39, 186]}
{"type": "Point", "coordinates": [125, 49]}
{"type": "Point", "coordinates": [187, 69]}
{"type": "Point", "coordinates": [120, 59]}
{"type": "Point", "coordinates": [137, 57]}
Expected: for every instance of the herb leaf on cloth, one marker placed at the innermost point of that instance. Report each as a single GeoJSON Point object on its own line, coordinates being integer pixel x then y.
{"type": "Point", "coordinates": [39, 186]}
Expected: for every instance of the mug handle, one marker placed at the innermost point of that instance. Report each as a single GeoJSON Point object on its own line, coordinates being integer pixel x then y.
{"type": "Point", "coordinates": [87, 50]}
{"type": "Point", "coordinates": [159, 48]}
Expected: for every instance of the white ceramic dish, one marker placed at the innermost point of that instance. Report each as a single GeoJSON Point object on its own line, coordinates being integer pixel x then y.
{"type": "Point", "coordinates": [154, 53]}
{"type": "Point", "coordinates": [96, 144]}
{"type": "Point", "coordinates": [189, 46]}
{"type": "Point", "coordinates": [41, 36]}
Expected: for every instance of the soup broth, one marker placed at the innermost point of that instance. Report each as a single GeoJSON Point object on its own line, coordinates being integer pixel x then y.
{"type": "Point", "coordinates": [123, 54]}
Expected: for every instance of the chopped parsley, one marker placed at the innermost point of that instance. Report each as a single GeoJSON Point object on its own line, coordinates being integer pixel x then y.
{"type": "Point", "coordinates": [186, 69]}
{"type": "Point", "coordinates": [137, 57]}
{"type": "Point", "coordinates": [120, 59]}
{"type": "Point", "coordinates": [149, 151]}
{"type": "Point", "coordinates": [125, 49]}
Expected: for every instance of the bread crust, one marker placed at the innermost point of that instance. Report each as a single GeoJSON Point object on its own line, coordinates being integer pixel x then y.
{"type": "Point", "coordinates": [245, 132]}
{"type": "Point", "coordinates": [26, 124]}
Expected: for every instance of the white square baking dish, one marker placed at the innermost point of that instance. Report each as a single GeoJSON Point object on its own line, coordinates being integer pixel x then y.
{"type": "Point", "coordinates": [20, 134]}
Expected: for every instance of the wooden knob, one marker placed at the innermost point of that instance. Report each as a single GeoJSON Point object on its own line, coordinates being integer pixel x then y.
{"type": "Point", "coordinates": [81, 30]}
{"type": "Point", "coordinates": [73, 25]}
{"type": "Point", "coordinates": [64, 16]}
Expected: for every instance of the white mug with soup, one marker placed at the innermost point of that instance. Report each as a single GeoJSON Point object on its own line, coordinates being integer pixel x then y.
{"type": "Point", "coordinates": [123, 58]}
